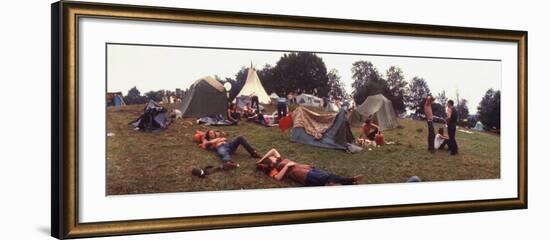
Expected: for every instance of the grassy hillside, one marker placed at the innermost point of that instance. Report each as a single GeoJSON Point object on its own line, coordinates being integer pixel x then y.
{"type": "Point", "coordinates": [140, 162]}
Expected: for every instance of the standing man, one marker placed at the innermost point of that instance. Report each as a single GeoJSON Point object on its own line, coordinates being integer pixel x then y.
{"type": "Point", "coordinates": [429, 119]}
{"type": "Point", "coordinates": [282, 105]}
{"type": "Point", "coordinates": [452, 119]}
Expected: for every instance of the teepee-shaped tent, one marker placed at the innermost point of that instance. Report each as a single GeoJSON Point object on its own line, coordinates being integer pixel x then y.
{"type": "Point", "coordinates": [253, 86]}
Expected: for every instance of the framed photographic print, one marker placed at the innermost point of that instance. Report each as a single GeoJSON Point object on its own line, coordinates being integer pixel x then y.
{"type": "Point", "coordinates": [167, 119]}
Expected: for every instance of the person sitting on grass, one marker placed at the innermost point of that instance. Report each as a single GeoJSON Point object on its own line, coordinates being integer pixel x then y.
{"type": "Point", "coordinates": [249, 112]}
{"type": "Point", "coordinates": [225, 149]}
{"type": "Point", "coordinates": [273, 165]}
{"type": "Point", "coordinates": [441, 140]}
{"type": "Point", "coordinates": [369, 130]}
{"type": "Point", "coordinates": [232, 113]}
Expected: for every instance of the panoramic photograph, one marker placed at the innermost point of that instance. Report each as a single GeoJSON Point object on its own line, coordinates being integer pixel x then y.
{"type": "Point", "coordinates": [191, 118]}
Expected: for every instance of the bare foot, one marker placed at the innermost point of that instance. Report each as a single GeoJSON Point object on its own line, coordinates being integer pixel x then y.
{"type": "Point", "coordinates": [229, 165]}
{"type": "Point", "coordinates": [357, 179]}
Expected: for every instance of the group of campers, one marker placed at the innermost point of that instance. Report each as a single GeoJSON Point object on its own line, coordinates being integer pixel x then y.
{"type": "Point", "coordinates": [435, 141]}
{"type": "Point", "coordinates": [272, 163]}
{"type": "Point", "coordinates": [252, 111]}
{"type": "Point", "coordinates": [207, 100]}
{"type": "Point", "coordinates": [440, 140]}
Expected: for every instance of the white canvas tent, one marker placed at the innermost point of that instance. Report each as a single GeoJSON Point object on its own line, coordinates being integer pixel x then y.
{"type": "Point", "coordinates": [479, 126]}
{"type": "Point", "coordinates": [332, 107]}
{"type": "Point", "coordinates": [380, 109]}
{"type": "Point", "coordinates": [309, 100]}
{"type": "Point", "coordinates": [274, 96]}
{"type": "Point", "coordinates": [253, 86]}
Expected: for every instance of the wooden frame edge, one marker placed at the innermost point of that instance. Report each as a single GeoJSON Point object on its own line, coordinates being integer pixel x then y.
{"type": "Point", "coordinates": [65, 120]}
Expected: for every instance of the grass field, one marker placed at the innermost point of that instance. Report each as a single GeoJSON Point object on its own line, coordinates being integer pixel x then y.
{"type": "Point", "coordinates": [140, 162]}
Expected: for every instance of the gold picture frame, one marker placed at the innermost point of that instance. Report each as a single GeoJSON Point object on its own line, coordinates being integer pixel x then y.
{"type": "Point", "coordinates": [65, 112]}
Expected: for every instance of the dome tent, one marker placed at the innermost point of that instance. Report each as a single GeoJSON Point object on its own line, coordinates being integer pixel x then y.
{"type": "Point", "coordinates": [325, 130]}
{"type": "Point", "coordinates": [205, 97]}
{"type": "Point", "coordinates": [309, 100]}
{"type": "Point", "coordinates": [152, 119]}
{"type": "Point", "coordinates": [380, 109]}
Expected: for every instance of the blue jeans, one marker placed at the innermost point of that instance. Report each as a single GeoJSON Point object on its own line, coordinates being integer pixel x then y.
{"type": "Point", "coordinates": [318, 177]}
{"type": "Point", "coordinates": [431, 136]}
{"type": "Point", "coordinates": [281, 109]}
{"type": "Point", "coordinates": [225, 150]}
{"type": "Point", "coordinates": [453, 147]}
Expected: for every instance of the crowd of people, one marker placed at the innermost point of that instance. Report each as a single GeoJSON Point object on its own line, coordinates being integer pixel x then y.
{"type": "Point", "coordinates": [274, 165]}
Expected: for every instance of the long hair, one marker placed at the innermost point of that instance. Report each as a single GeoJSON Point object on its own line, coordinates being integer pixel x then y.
{"type": "Point", "coordinates": [207, 135]}
{"type": "Point", "coordinates": [265, 166]}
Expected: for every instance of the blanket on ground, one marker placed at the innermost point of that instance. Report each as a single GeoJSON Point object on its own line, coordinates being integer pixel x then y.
{"type": "Point", "coordinates": [315, 124]}
{"type": "Point", "coordinates": [215, 121]}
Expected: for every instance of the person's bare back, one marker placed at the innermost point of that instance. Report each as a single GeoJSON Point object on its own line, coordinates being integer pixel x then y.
{"type": "Point", "coordinates": [428, 108]}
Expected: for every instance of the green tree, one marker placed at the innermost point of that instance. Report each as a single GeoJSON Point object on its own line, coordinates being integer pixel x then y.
{"type": "Point", "coordinates": [416, 94]}
{"type": "Point", "coordinates": [396, 88]}
{"type": "Point", "coordinates": [489, 109]}
{"type": "Point", "coordinates": [441, 98]}
{"type": "Point", "coordinates": [462, 108]}
{"type": "Point", "coordinates": [335, 85]}
{"type": "Point", "coordinates": [155, 95]}
{"type": "Point", "coordinates": [134, 92]}
{"type": "Point", "coordinates": [366, 81]}
{"type": "Point", "coordinates": [267, 77]}
{"type": "Point", "coordinates": [235, 88]}
{"type": "Point", "coordinates": [438, 109]}
{"type": "Point", "coordinates": [179, 93]}
{"type": "Point", "coordinates": [300, 71]}
{"type": "Point", "coordinates": [237, 83]}
{"type": "Point", "coordinates": [134, 97]}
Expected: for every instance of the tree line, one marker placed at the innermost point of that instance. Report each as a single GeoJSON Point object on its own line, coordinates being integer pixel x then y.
{"type": "Point", "coordinates": [303, 72]}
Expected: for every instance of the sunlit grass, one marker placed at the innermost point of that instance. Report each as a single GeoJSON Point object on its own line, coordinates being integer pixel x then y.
{"type": "Point", "coordinates": [140, 162]}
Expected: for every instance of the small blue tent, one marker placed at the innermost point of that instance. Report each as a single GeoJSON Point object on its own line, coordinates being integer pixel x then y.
{"type": "Point", "coordinates": [337, 136]}
{"type": "Point", "coordinates": [153, 118]}
{"type": "Point", "coordinates": [118, 101]}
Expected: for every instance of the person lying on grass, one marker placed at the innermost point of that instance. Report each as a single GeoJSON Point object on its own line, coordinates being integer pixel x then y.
{"type": "Point", "coordinates": [225, 149]}
{"type": "Point", "coordinates": [369, 130]}
{"type": "Point", "coordinates": [273, 165]}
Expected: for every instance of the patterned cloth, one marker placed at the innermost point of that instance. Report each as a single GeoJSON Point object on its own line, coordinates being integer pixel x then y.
{"type": "Point", "coordinates": [315, 124]}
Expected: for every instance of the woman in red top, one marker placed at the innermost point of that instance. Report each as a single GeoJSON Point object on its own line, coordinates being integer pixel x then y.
{"type": "Point", "coordinates": [369, 130]}
{"type": "Point", "coordinates": [276, 167]}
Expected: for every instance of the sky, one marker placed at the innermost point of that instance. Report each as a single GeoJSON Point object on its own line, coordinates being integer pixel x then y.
{"type": "Point", "coordinates": [166, 67]}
